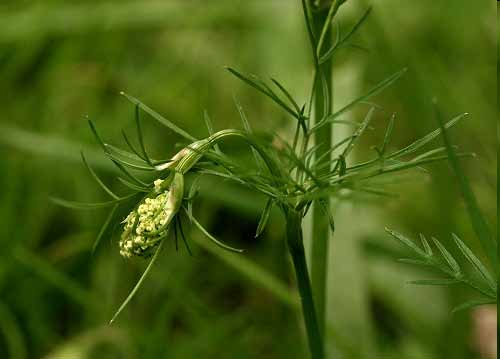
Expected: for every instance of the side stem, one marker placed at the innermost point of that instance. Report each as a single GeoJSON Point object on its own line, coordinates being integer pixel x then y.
{"type": "Point", "coordinates": [296, 249]}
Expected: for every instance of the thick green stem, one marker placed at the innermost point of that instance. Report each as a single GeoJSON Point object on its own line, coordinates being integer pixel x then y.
{"type": "Point", "coordinates": [296, 248]}
{"type": "Point", "coordinates": [320, 224]}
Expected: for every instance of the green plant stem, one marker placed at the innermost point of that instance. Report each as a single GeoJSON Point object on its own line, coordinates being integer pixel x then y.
{"type": "Point", "coordinates": [326, 25]}
{"type": "Point", "coordinates": [320, 223]}
{"type": "Point", "coordinates": [296, 249]}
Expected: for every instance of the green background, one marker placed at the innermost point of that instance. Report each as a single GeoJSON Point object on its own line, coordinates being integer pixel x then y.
{"type": "Point", "coordinates": [62, 62]}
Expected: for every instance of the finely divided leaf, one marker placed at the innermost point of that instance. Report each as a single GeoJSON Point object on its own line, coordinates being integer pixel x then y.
{"type": "Point", "coordinates": [141, 136]}
{"type": "Point", "coordinates": [425, 244]}
{"type": "Point", "coordinates": [476, 263]}
{"type": "Point", "coordinates": [479, 223]}
{"type": "Point", "coordinates": [443, 281]}
{"type": "Point", "coordinates": [473, 303]}
{"type": "Point", "coordinates": [139, 283]}
{"type": "Point", "coordinates": [213, 239]}
{"type": "Point", "coordinates": [84, 205]}
{"type": "Point", "coordinates": [415, 146]}
{"type": "Point", "coordinates": [417, 262]}
{"type": "Point", "coordinates": [264, 217]}
{"type": "Point", "coordinates": [407, 242]}
{"type": "Point", "coordinates": [328, 54]}
{"type": "Point", "coordinates": [96, 177]}
{"type": "Point", "coordinates": [263, 88]}
{"type": "Point", "coordinates": [388, 134]}
{"type": "Point", "coordinates": [373, 91]}
{"type": "Point", "coordinates": [104, 228]}
{"type": "Point", "coordinates": [159, 118]}
{"type": "Point", "coordinates": [452, 263]}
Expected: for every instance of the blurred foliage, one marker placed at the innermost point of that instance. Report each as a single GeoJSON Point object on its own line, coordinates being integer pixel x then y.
{"type": "Point", "coordinates": [61, 62]}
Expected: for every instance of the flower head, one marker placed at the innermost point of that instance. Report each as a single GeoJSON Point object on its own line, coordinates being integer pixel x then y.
{"type": "Point", "coordinates": [148, 224]}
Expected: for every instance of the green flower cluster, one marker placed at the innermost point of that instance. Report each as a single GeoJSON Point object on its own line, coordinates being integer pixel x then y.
{"type": "Point", "coordinates": [148, 224]}
{"type": "Point", "coordinates": [144, 228]}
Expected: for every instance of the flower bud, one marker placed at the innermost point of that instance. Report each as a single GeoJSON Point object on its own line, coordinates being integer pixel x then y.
{"type": "Point", "coordinates": [148, 224]}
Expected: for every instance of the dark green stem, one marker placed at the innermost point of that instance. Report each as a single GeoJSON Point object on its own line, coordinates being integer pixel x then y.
{"type": "Point", "coordinates": [320, 225]}
{"type": "Point", "coordinates": [296, 248]}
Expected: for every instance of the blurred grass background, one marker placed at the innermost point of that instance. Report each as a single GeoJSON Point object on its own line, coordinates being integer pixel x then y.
{"type": "Point", "coordinates": [64, 61]}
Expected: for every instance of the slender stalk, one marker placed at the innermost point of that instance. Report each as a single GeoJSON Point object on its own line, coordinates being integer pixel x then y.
{"type": "Point", "coordinates": [296, 248]}
{"type": "Point", "coordinates": [320, 223]}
